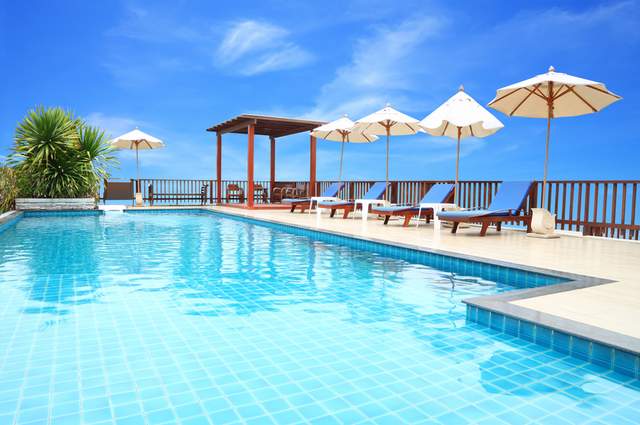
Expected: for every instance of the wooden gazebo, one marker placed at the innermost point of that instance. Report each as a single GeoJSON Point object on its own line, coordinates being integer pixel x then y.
{"type": "Point", "coordinates": [274, 128]}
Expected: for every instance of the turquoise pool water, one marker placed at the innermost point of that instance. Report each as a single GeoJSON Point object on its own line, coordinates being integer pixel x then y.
{"type": "Point", "coordinates": [197, 318]}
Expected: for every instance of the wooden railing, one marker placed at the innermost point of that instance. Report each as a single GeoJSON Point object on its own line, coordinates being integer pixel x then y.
{"type": "Point", "coordinates": [598, 207]}
{"type": "Point", "coordinates": [608, 208]}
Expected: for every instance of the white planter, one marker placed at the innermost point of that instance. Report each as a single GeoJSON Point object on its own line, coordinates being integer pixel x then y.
{"type": "Point", "coordinates": [543, 223]}
{"type": "Point", "coordinates": [56, 204]}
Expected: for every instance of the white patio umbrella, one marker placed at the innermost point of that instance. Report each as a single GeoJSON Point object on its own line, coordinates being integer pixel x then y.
{"type": "Point", "coordinates": [390, 122]}
{"type": "Point", "coordinates": [552, 95]}
{"type": "Point", "coordinates": [458, 118]}
{"type": "Point", "coordinates": [342, 130]}
{"type": "Point", "coordinates": [137, 140]}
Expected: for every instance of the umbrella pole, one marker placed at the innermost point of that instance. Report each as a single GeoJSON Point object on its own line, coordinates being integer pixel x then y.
{"type": "Point", "coordinates": [546, 149]}
{"type": "Point", "coordinates": [137, 168]}
{"type": "Point", "coordinates": [387, 169]}
{"type": "Point", "coordinates": [457, 166]}
{"type": "Point", "coordinates": [546, 162]}
{"type": "Point", "coordinates": [341, 156]}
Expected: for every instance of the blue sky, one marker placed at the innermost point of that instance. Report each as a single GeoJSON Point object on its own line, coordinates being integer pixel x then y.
{"type": "Point", "coordinates": [174, 68]}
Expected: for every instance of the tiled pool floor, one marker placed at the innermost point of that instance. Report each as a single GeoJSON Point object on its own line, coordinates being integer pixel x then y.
{"type": "Point", "coordinates": [191, 319]}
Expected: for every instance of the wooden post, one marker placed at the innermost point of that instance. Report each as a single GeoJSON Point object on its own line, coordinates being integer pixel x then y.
{"type": "Point", "coordinates": [312, 166]}
{"type": "Point", "coordinates": [272, 173]}
{"type": "Point", "coordinates": [218, 167]}
{"type": "Point", "coordinates": [250, 137]}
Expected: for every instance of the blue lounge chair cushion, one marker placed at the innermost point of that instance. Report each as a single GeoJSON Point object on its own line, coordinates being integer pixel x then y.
{"type": "Point", "coordinates": [376, 191]}
{"type": "Point", "coordinates": [470, 214]}
{"type": "Point", "coordinates": [332, 190]}
{"type": "Point", "coordinates": [508, 200]}
{"type": "Point", "coordinates": [437, 194]}
{"type": "Point", "coordinates": [295, 200]}
{"type": "Point", "coordinates": [330, 204]}
{"type": "Point", "coordinates": [510, 196]}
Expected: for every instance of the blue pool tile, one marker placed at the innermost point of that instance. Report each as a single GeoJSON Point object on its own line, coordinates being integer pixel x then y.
{"type": "Point", "coordinates": [37, 414]}
{"type": "Point", "coordinates": [350, 416]}
{"type": "Point", "coordinates": [602, 355]}
{"type": "Point", "coordinates": [543, 336]}
{"type": "Point", "coordinates": [511, 326]}
{"type": "Point", "coordinates": [580, 348]}
{"type": "Point", "coordinates": [470, 314]}
{"type": "Point", "coordinates": [73, 419]}
{"type": "Point", "coordinates": [625, 362]}
{"type": "Point", "coordinates": [286, 417]}
{"type": "Point", "coordinates": [483, 317]}
{"type": "Point", "coordinates": [451, 418]}
{"type": "Point", "coordinates": [497, 321]}
{"type": "Point", "coordinates": [131, 420]}
{"type": "Point", "coordinates": [561, 342]}
{"type": "Point", "coordinates": [527, 330]}
{"type": "Point", "coordinates": [162, 416]}
{"type": "Point", "coordinates": [125, 410]}
{"type": "Point", "coordinates": [98, 415]}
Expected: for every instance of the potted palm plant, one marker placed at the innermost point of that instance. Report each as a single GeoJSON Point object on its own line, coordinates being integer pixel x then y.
{"type": "Point", "coordinates": [58, 161]}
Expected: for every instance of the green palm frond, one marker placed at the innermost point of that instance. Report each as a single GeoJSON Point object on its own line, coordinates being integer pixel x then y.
{"type": "Point", "coordinates": [57, 155]}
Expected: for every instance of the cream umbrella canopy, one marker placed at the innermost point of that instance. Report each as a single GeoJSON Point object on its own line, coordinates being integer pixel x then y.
{"type": "Point", "coordinates": [137, 140]}
{"type": "Point", "coordinates": [458, 118]}
{"type": "Point", "coordinates": [390, 122]}
{"type": "Point", "coordinates": [342, 130]}
{"type": "Point", "coordinates": [552, 95]}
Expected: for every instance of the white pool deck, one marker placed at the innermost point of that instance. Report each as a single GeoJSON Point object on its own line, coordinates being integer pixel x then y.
{"type": "Point", "coordinates": [612, 306]}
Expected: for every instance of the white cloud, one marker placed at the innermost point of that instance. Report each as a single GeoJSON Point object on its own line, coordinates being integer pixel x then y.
{"type": "Point", "coordinates": [113, 125]}
{"type": "Point", "coordinates": [287, 57]}
{"type": "Point", "coordinates": [248, 36]}
{"type": "Point", "coordinates": [382, 68]}
{"type": "Point", "coordinates": [253, 47]}
{"type": "Point", "coordinates": [150, 26]}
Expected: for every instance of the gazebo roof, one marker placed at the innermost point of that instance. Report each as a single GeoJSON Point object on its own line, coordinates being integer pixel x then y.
{"type": "Point", "coordinates": [265, 125]}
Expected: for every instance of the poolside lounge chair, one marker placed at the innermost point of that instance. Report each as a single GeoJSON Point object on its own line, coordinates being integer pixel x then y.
{"type": "Point", "coordinates": [507, 205]}
{"type": "Point", "coordinates": [375, 192]}
{"type": "Point", "coordinates": [303, 204]}
{"type": "Point", "coordinates": [437, 194]}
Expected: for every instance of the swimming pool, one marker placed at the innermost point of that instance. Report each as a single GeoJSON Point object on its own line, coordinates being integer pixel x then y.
{"type": "Point", "coordinates": [197, 318]}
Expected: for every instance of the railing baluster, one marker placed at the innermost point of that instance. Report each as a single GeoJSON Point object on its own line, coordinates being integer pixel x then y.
{"type": "Point", "coordinates": [614, 200]}
{"type": "Point", "coordinates": [634, 198]}
{"type": "Point", "coordinates": [604, 205]}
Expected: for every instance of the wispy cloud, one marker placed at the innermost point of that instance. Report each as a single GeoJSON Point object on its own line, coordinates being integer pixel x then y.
{"type": "Point", "coordinates": [113, 125]}
{"type": "Point", "coordinates": [147, 25]}
{"type": "Point", "coordinates": [382, 68]}
{"type": "Point", "coordinates": [254, 47]}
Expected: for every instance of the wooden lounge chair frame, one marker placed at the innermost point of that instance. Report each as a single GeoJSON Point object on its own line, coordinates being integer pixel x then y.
{"type": "Point", "coordinates": [303, 205]}
{"type": "Point", "coordinates": [426, 213]}
{"type": "Point", "coordinates": [346, 208]}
